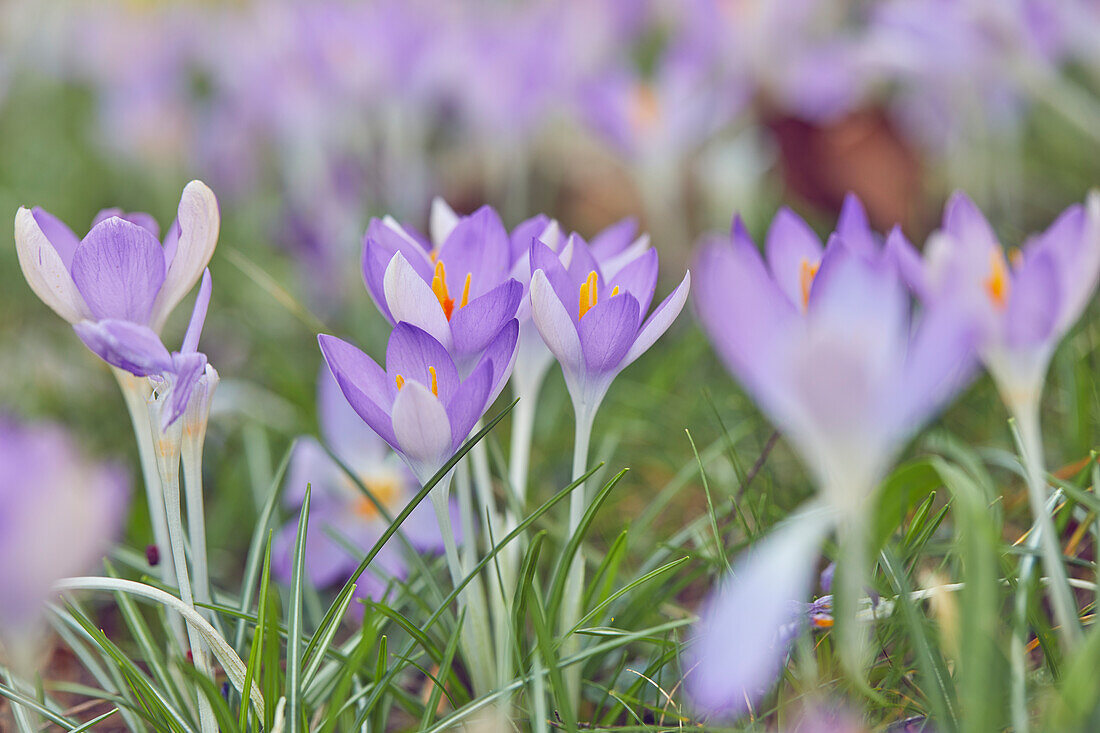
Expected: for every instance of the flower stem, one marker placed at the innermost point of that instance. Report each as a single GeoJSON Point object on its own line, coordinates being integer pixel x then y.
{"type": "Point", "coordinates": [523, 428]}
{"type": "Point", "coordinates": [191, 454]}
{"type": "Point", "coordinates": [574, 582]}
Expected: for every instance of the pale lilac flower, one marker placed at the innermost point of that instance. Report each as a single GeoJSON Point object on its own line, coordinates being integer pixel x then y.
{"type": "Point", "coordinates": [420, 404]}
{"type": "Point", "coordinates": [342, 521]}
{"type": "Point", "coordinates": [58, 516]}
{"type": "Point", "coordinates": [119, 270]}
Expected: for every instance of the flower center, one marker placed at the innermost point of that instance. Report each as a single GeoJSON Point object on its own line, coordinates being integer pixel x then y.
{"type": "Point", "coordinates": [435, 382]}
{"type": "Point", "coordinates": [806, 274]}
{"type": "Point", "coordinates": [386, 491]}
{"type": "Point", "coordinates": [997, 284]}
{"type": "Point", "coordinates": [439, 287]}
{"type": "Point", "coordinates": [589, 294]}
{"type": "Point", "coordinates": [645, 107]}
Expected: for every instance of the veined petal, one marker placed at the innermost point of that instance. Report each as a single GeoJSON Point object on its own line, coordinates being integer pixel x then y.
{"type": "Point", "coordinates": [639, 278]}
{"type": "Point", "coordinates": [126, 345]}
{"type": "Point", "coordinates": [789, 244]}
{"type": "Point", "coordinates": [537, 227]}
{"type": "Point", "coordinates": [657, 323]}
{"type": "Point", "coordinates": [545, 259]}
{"type": "Point", "coordinates": [501, 353]}
{"type": "Point", "coordinates": [364, 384]}
{"type": "Point", "coordinates": [476, 324]}
{"type": "Point", "coordinates": [58, 234]}
{"type": "Point", "coordinates": [614, 239]}
{"type": "Point", "coordinates": [143, 220]}
{"type": "Point", "coordinates": [198, 315]}
{"type": "Point", "coordinates": [412, 352]}
{"type": "Point", "coordinates": [411, 299]}
{"type": "Point", "coordinates": [554, 323]}
{"type": "Point", "coordinates": [441, 221]}
{"type": "Point", "coordinates": [422, 429]}
{"type": "Point", "coordinates": [607, 332]}
{"type": "Point", "coordinates": [119, 269]}
{"type": "Point", "coordinates": [186, 370]}
{"type": "Point", "coordinates": [199, 221]}
{"type": "Point", "coordinates": [45, 270]}
{"type": "Point", "coordinates": [469, 403]}
{"type": "Point", "coordinates": [737, 648]}
{"type": "Point", "coordinates": [478, 246]}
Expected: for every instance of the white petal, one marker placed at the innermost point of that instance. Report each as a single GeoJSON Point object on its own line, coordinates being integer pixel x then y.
{"type": "Point", "coordinates": [395, 225]}
{"type": "Point", "coordinates": [659, 322]}
{"type": "Point", "coordinates": [554, 324]}
{"type": "Point", "coordinates": [422, 429]}
{"type": "Point", "coordinates": [411, 300]}
{"type": "Point", "coordinates": [442, 221]}
{"type": "Point", "coordinates": [199, 222]}
{"type": "Point", "coordinates": [44, 270]}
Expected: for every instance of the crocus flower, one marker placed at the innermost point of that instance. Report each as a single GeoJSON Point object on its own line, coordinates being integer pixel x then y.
{"type": "Point", "coordinates": [419, 403]}
{"type": "Point", "coordinates": [341, 517]}
{"type": "Point", "coordinates": [58, 516]}
{"type": "Point", "coordinates": [832, 354]}
{"type": "Point", "coordinates": [119, 270]}
{"type": "Point", "coordinates": [592, 320]}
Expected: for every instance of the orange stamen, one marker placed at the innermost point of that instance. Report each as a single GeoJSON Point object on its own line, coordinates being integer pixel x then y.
{"type": "Point", "coordinates": [588, 295]}
{"type": "Point", "coordinates": [439, 287]}
{"type": "Point", "coordinates": [466, 291]}
{"type": "Point", "coordinates": [997, 284]}
{"type": "Point", "coordinates": [614, 291]}
{"type": "Point", "coordinates": [400, 382]}
{"type": "Point", "coordinates": [806, 274]}
{"type": "Point", "coordinates": [823, 622]}
{"type": "Point", "coordinates": [435, 383]}
{"type": "Point", "coordinates": [385, 491]}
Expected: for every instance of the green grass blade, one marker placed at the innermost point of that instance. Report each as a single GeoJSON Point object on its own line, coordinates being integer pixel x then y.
{"type": "Point", "coordinates": [295, 714]}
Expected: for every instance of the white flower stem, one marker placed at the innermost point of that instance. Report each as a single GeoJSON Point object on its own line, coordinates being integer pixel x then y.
{"type": "Point", "coordinates": [135, 391]}
{"type": "Point", "coordinates": [574, 582]}
{"type": "Point", "coordinates": [1030, 444]}
{"type": "Point", "coordinates": [852, 574]}
{"type": "Point", "coordinates": [523, 428]}
{"type": "Point", "coordinates": [168, 463]}
{"type": "Point", "coordinates": [191, 453]}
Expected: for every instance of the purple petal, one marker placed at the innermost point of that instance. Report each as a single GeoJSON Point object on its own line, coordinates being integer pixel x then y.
{"type": "Point", "coordinates": [380, 244]}
{"type": "Point", "coordinates": [545, 259]}
{"type": "Point", "coordinates": [476, 324]}
{"type": "Point", "coordinates": [525, 233]}
{"type": "Point", "coordinates": [342, 428]}
{"type": "Point", "coordinates": [45, 271]}
{"type": "Point", "coordinates": [186, 369]}
{"type": "Point", "coordinates": [198, 315]}
{"type": "Point", "coordinates": [938, 365]}
{"type": "Point", "coordinates": [364, 384]}
{"type": "Point", "coordinates": [327, 561]}
{"type": "Point", "coordinates": [580, 259]}
{"type": "Point", "coordinates": [789, 244]}
{"type": "Point", "coordinates": [410, 353]}
{"type": "Point", "coordinates": [639, 278]}
{"type": "Point", "coordinates": [1033, 303]}
{"type": "Point", "coordinates": [125, 345]}
{"type": "Point", "coordinates": [478, 246]}
{"type": "Point", "coordinates": [965, 222]}
{"type": "Point", "coordinates": [736, 653]}
{"type": "Point", "coordinates": [140, 218]}
{"type": "Point", "coordinates": [310, 464]}
{"type": "Point", "coordinates": [411, 299]}
{"type": "Point", "coordinates": [854, 229]}
{"type": "Point", "coordinates": [469, 403]}
{"type": "Point", "coordinates": [899, 251]}
{"type": "Point", "coordinates": [501, 354]}
{"type": "Point", "coordinates": [58, 234]}
{"type": "Point", "coordinates": [607, 331]}
{"type": "Point", "coordinates": [614, 239]}
{"type": "Point", "coordinates": [119, 269]}
{"type": "Point", "coordinates": [553, 322]}
{"type": "Point", "coordinates": [659, 321]}
{"type": "Point", "coordinates": [421, 527]}
{"type": "Point", "coordinates": [422, 429]}
{"type": "Point", "coordinates": [1073, 241]}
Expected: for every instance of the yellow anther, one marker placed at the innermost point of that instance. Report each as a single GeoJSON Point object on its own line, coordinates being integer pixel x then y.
{"type": "Point", "coordinates": [439, 287]}
{"type": "Point", "coordinates": [997, 284]}
{"type": "Point", "coordinates": [588, 295]}
{"type": "Point", "coordinates": [1015, 257]}
{"type": "Point", "coordinates": [386, 492]}
{"type": "Point", "coordinates": [806, 274]}
{"type": "Point", "coordinates": [400, 382]}
{"type": "Point", "coordinates": [466, 291]}
{"type": "Point", "coordinates": [435, 383]}
{"type": "Point", "coordinates": [614, 291]}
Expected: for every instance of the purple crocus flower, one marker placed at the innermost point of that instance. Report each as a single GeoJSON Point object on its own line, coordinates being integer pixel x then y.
{"type": "Point", "coordinates": [420, 404]}
{"type": "Point", "coordinates": [592, 321]}
{"type": "Point", "coordinates": [58, 516]}
{"type": "Point", "coordinates": [119, 270]}
{"type": "Point", "coordinates": [833, 355]}
{"type": "Point", "coordinates": [341, 518]}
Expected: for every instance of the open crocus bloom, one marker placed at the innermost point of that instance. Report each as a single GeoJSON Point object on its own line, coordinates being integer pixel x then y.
{"type": "Point", "coordinates": [419, 403]}
{"type": "Point", "coordinates": [58, 516]}
{"type": "Point", "coordinates": [342, 520]}
{"type": "Point", "coordinates": [1025, 300]}
{"type": "Point", "coordinates": [848, 375]}
{"type": "Point", "coordinates": [591, 321]}
{"type": "Point", "coordinates": [119, 270]}
{"type": "Point", "coordinates": [137, 349]}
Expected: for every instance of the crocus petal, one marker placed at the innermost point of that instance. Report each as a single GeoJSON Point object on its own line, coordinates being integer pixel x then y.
{"type": "Point", "coordinates": [327, 561]}
{"type": "Point", "coordinates": [58, 234]}
{"type": "Point", "coordinates": [311, 465]}
{"type": "Point", "coordinates": [537, 227]}
{"type": "Point", "coordinates": [501, 353]}
{"type": "Point", "coordinates": [119, 268]}
{"type": "Point", "coordinates": [554, 323]}
{"type": "Point", "coordinates": [45, 270]}
{"type": "Point", "coordinates": [963, 220]}
{"type": "Point", "coordinates": [476, 324]}
{"type": "Point", "coordinates": [411, 299]}
{"type": "Point", "coordinates": [940, 362]}
{"type": "Point", "coordinates": [607, 332]}
{"type": "Point", "coordinates": [854, 229]}
{"type": "Point", "coordinates": [422, 429]}
{"type": "Point", "coordinates": [363, 383]}
{"type": "Point", "coordinates": [639, 278]}
{"type": "Point", "coordinates": [143, 220]}
{"type": "Point", "coordinates": [545, 259]}
{"type": "Point", "coordinates": [421, 527]}
{"type": "Point", "coordinates": [736, 654]}
{"type": "Point", "coordinates": [199, 221]}
{"type": "Point", "coordinates": [614, 239]}
{"type": "Point", "coordinates": [126, 345]}
{"type": "Point", "coordinates": [581, 262]}
{"type": "Point", "coordinates": [441, 221]}
{"type": "Point", "coordinates": [478, 246]}
{"type": "Point", "coordinates": [186, 370]}
{"type": "Point", "coordinates": [791, 242]}
{"type": "Point", "coordinates": [384, 238]}
{"type": "Point", "coordinates": [469, 403]}
{"type": "Point", "coordinates": [412, 351]}
{"type": "Point", "coordinates": [659, 321]}
{"type": "Point", "coordinates": [900, 252]}
{"type": "Point", "coordinates": [198, 314]}
{"type": "Point", "coordinates": [342, 428]}
{"type": "Point", "coordinates": [1034, 302]}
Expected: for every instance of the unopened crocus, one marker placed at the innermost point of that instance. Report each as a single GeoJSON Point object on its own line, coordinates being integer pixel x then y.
{"type": "Point", "coordinates": [343, 521]}
{"type": "Point", "coordinates": [420, 404]}
{"type": "Point", "coordinates": [832, 353]}
{"type": "Point", "coordinates": [119, 270]}
{"type": "Point", "coordinates": [59, 514]}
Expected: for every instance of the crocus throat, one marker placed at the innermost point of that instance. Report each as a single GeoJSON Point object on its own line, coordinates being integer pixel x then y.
{"type": "Point", "coordinates": [806, 274]}
{"type": "Point", "coordinates": [645, 107]}
{"type": "Point", "coordinates": [386, 491]}
{"type": "Point", "coordinates": [439, 287]}
{"type": "Point", "coordinates": [997, 284]}
{"type": "Point", "coordinates": [589, 294]}
{"type": "Point", "coordinates": [435, 382]}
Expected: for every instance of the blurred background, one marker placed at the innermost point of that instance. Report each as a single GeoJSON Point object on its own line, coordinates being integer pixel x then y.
{"type": "Point", "coordinates": [307, 118]}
